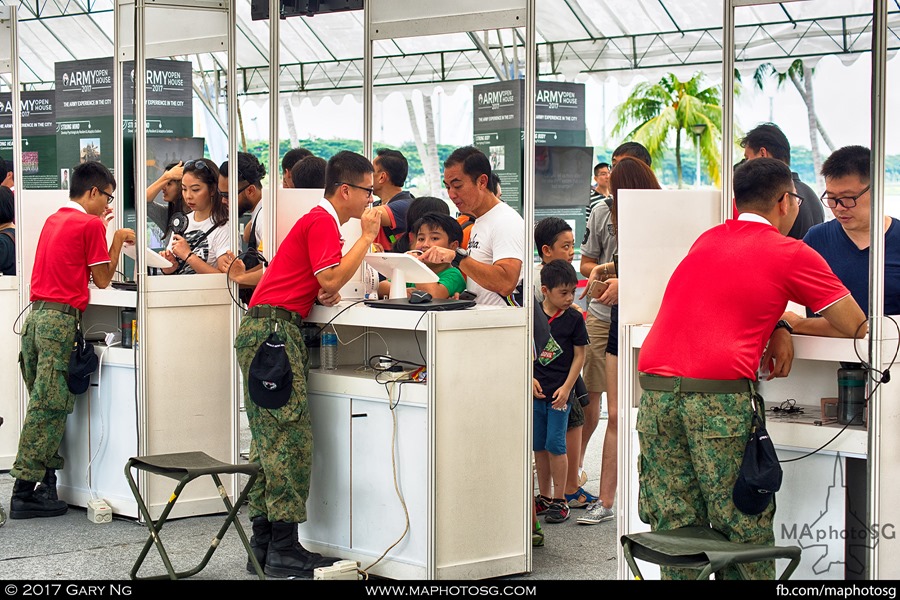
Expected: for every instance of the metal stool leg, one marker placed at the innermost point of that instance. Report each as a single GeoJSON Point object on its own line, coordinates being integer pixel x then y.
{"type": "Point", "coordinates": [156, 526]}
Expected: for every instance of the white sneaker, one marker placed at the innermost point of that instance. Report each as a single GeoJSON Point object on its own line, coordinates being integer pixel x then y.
{"type": "Point", "coordinates": [596, 513]}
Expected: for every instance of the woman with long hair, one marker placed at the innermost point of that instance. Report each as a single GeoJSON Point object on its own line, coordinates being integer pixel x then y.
{"type": "Point", "coordinates": [627, 174]}
{"type": "Point", "coordinates": [202, 246]}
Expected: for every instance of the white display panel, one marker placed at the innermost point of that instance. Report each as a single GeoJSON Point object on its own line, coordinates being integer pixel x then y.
{"type": "Point", "coordinates": [651, 248]}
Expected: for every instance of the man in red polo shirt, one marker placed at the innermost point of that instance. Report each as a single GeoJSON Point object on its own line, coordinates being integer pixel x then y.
{"type": "Point", "coordinates": [308, 265]}
{"type": "Point", "coordinates": [698, 366]}
{"type": "Point", "coordinates": [70, 252]}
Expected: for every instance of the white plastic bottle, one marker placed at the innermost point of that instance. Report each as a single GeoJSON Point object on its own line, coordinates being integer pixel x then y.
{"type": "Point", "coordinates": [328, 350]}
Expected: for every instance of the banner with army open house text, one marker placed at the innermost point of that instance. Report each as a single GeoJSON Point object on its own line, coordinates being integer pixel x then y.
{"type": "Point", "coordinates": [562, 162]}
{"type": "Point", "coordinates": [84, 97]}
{"type": "Point", "coordinates": [39, 170]}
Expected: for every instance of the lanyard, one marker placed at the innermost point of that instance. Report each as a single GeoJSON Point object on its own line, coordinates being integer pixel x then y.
{"type": "Point", "coordinates": [559, 312]}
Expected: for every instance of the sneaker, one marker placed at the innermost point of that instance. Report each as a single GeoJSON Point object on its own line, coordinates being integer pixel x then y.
{"type": "Point", "coordinates": [558, 512]}
{"type": "Point", "coordinates": [537, 536]}
{"type": "Point", "coordinates": [580, 499]}
{"type": "Point", "coordinates": [596, 513]}
{"type": "Point", "coordinates": [541, 504]}
{"type": "Point", "coordinates": [582, 478]}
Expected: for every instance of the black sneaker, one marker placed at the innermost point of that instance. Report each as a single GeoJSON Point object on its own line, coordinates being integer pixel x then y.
{"type": "Point", "coordinates": [558, 512]}
{"type": "Point", "coordinates": [541, 504]}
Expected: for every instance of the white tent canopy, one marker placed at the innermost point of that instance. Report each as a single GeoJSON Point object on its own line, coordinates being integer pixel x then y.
{"type": "Point", "coordinates": [577, 39]}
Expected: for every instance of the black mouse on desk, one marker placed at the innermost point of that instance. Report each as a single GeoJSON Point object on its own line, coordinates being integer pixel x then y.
{"type": "Point", "coordinates": [419, 297]}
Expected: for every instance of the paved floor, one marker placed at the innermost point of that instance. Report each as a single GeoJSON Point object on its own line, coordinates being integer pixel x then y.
{"type": "Point", "coordinates": [71, 547]}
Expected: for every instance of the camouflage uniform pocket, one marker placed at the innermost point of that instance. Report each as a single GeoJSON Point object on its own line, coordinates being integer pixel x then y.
{"type": "Point", "coordinates": [54, 334]}
{"type": "Point", "coordinates": [726, 426]}
{"type": "Point", "coordinates": [647, 425]}
{"type": "Point", "coordinates": [250, 335]}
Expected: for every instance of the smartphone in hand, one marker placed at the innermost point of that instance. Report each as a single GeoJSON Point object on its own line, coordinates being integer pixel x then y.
{"type": "Point", "coordinates": [597, 288]}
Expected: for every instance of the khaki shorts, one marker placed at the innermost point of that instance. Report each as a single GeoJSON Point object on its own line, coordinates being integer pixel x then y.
{"type": "Point", "coordinates": [594, 371]}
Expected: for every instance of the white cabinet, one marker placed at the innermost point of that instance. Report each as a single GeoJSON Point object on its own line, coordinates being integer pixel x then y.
{"type": "Point", "coordinates": [427, 450]}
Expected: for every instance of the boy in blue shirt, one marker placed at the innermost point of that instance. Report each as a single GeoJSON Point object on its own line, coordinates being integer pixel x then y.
{"type": "Point", "coordinates": [556, 369]}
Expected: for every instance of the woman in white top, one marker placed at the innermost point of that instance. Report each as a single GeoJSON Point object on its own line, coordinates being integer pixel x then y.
{"type": "Point", "coordinates": [201, 248]}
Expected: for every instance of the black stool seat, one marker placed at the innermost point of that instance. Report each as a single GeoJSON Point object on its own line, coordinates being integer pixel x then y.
{"type": "Point", "coordinates": [184, 467]}
{"type": "Point", "coordinates": [700, 548]}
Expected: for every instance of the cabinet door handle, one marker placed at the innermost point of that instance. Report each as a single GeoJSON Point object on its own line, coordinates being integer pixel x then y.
{"type": "Point", "coordinates": [358, 415]}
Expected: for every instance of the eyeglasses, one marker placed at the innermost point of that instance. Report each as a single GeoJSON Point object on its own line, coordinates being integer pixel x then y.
{"type": "Point", "coordinates": [240, 191]}
{"type": "Point", "coordinates": [196, 164]}
{"type": "Point", "coordinates": [368, 191]}
{"type": "Point", "coordinates": [797, 196]}
{"type": "Point", "coordinates": [109, 197]}
{"type": "Point", "coordinates": [845, 201]}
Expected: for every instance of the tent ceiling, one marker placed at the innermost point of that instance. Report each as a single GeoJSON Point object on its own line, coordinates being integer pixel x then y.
{"type": "Point", "coordinates": [576, 39]}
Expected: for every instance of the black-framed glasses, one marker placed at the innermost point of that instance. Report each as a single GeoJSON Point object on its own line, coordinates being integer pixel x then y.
{"type": "Point", "coordinates": [797, 196]}
{"type": "Point", "coordinates": [845, 201]}
{"type": "Point", "coordinates": [109, 197]}
{"type": "Point", "coordinates": [368, 191]}
{"type": "Point", "coordinates": [240, 191]}
{"type": "Point", "coordinates": [197, 164]}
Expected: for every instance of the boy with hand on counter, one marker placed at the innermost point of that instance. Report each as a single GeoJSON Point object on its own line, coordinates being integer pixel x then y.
{"type": "Point", "coordinates": [435, 229]}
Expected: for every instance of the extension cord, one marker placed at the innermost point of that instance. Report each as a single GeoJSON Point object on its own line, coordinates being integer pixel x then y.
{"type": "Point", "coordinates": [342, 569]}
{"type": "Point", "coordinates": [98, 511]}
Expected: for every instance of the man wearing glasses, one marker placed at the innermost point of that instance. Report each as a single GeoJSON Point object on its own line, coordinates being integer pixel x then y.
{"type": "Point", "coordinates": [71, 251]}
{"type": "Point", "coordinates": [308, 266]}
{"type": "Point", "coordinates": [246, 271]}
{"type": "Point", "coordinates": [844, 241]}
{"type": "Point", "coordinates": [720, 319]}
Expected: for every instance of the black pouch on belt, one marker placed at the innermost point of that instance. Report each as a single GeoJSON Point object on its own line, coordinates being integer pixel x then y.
{"type": "Point", "coordinates": [82, 363]}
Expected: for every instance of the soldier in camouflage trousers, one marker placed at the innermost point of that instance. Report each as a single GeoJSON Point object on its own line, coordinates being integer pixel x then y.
{"type": "Point", "coordinates": [71, 251]}
{"type": "Point", "coordinates": [722, 326]}
{"type": "Point", "coordinates": [310, 266]}
{"type": "Point", "coordinates": [47, 339]}
{"type": "Point", "coordinates": [679, 487]}
{"type": "Point", "coordinates": [282, 437]}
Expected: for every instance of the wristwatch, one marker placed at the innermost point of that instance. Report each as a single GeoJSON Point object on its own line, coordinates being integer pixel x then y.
{"type": "Point", "coordinates": [461, 253]}
{"type": "Point", "coordinates": [785, 325]}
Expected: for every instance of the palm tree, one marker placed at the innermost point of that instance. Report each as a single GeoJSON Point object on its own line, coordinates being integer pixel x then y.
{"type": "Point", "coordinates": [654, 112]}
{"type": "Point", "coordinates": [801, 76]}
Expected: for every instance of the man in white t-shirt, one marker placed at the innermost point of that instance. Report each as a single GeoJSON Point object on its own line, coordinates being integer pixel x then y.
{"type": "Point", "coordinates": [493, 261]}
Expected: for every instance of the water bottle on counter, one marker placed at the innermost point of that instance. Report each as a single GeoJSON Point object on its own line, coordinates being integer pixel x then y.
{"type": "Point", "coordinates": [328, 351]}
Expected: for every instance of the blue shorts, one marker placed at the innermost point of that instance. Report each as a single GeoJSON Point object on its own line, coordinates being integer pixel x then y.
{"type": "Point", "coordinates": [550, 427]}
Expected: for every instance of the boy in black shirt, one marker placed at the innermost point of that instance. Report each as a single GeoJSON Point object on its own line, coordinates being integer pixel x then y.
{"type": "Point", "coordinates": [556, 369]}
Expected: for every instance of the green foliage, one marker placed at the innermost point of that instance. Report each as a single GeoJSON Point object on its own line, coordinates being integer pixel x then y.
{"type": "Point", "coordinates": [656, 113]}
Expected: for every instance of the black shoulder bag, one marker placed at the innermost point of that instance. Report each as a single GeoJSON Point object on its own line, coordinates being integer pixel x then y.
{"type": "Point", "coordinates": [183, 263]}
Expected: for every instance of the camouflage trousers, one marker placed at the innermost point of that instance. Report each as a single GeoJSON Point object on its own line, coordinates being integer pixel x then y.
{"type": "Point", "coordinates": [282, 438]}
{"type": "Point", "coordinates": [692, 445]}
{"type": "Point", "coordinates": [47, 340]}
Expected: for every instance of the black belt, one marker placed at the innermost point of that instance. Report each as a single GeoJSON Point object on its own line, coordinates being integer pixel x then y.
{"type": "Point", "coordinates": [658, 383]}
{"type": "Point", "coordinates": [58, 306]}
{"type": "Point", "coordinates": [267, 311]}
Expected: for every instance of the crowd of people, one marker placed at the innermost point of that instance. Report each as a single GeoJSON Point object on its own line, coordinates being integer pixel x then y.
{"type": "Point", "coordinates": [690, 388]}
